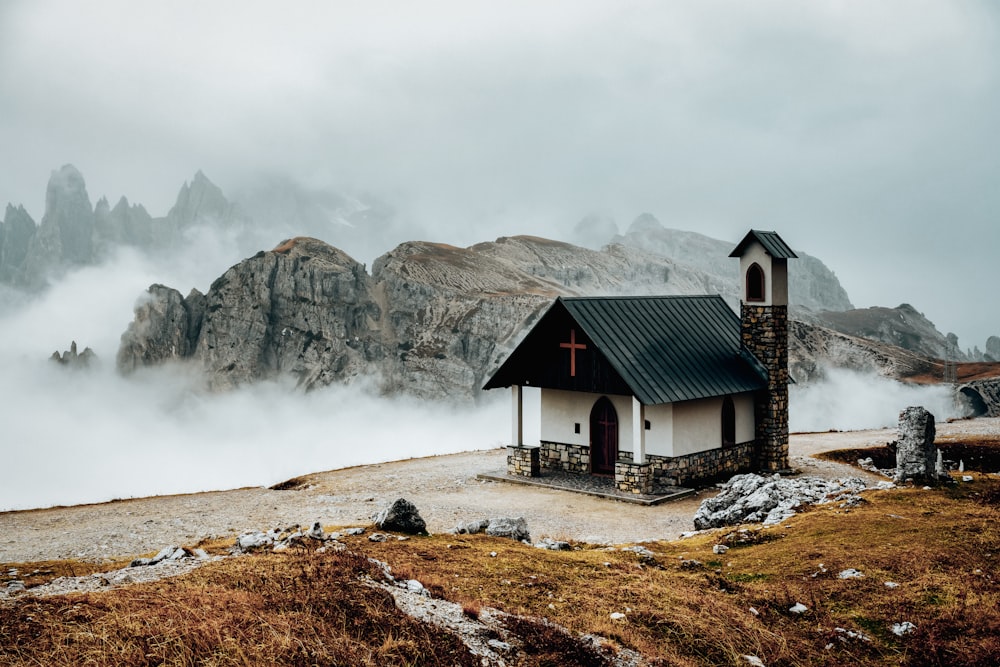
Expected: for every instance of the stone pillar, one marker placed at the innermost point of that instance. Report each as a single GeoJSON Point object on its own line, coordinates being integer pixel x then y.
{"type": "Point", "coordinates": [916, 455]}
{"type": "Point", "coordinates": [764, 333]}
{"type": "Point", "coordinates": [634, 478]}
{"type": "Point", "coordinates": [523, 461]}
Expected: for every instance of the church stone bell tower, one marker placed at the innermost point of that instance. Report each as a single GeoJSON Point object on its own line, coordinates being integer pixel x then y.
{"type": "Point", "coordinates": [764, 331]}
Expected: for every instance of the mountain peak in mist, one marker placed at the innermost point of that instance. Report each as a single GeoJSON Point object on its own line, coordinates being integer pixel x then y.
{"type": "Point", "coordinates": [645, 222]}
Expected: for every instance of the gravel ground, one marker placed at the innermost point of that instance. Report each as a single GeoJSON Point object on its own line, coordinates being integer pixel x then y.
{"type": "Point", "coordinates": [444, 489]}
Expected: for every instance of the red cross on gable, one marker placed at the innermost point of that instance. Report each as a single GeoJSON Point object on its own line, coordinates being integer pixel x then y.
{"type": "Point", "coordinates": [572, 346]}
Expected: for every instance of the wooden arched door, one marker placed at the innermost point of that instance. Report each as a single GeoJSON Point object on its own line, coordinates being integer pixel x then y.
{"type": "Point", "coordinates": [603, 437]}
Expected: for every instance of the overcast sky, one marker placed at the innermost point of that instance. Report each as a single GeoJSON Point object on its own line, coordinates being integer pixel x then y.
{"type": "Point", "coordinates": [865, 132]}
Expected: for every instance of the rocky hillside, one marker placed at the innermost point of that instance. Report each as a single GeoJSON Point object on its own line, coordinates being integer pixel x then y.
{"type": "Point", "coordinates": [431, 320]}
{"type": "Point", "coordinates": [902, 326]}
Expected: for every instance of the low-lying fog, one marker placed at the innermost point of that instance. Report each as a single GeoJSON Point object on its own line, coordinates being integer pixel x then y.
{"type": "Point", "coordinates": [88, 436]}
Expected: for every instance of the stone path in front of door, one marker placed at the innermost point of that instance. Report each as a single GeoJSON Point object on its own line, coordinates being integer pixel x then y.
{"type": "Point", "coordinates": [591, 485]}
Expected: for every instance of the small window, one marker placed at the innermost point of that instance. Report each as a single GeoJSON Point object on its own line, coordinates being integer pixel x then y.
{"type": "Point", "coordinates": [576, 427]}
{"type": "Point", "coordinates": [755, 283]}
{"type": "Point", "coordinates": [728, 422]}
{"type": "Point", "coordinates": [647, 424]}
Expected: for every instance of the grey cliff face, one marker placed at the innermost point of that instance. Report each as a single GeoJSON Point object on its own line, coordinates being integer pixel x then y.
{"type": "Point", "coordinates": [64, 237]}
{"type": "Point", "coordinates": [16, 233]}
{"type": "Point", "coordinates": [304, 309]}
{"type": "Point", "coordinates": [166, 327]}
{"type": "Point", "coordinates": [902, 326]}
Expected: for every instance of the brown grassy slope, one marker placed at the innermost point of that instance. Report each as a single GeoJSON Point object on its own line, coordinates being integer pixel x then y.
{"type": "Point", "coordinates": [933, 373]}
{"type": "Point", "coordinates": [938, 545]}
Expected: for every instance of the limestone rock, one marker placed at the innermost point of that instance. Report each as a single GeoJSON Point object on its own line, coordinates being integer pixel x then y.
{"type": "Point", "coordinates": [166, 326]}
{"type": "Point", "coordinates": [753, 498]}
{"type": "Point", "coordinates": [304, 309]}
{"type": "Point", "coordinates": [916, 455]}
{"type": "Point", "coordinates": [515, 528]}
{"type": "Point", "coordinates": [402, 517]}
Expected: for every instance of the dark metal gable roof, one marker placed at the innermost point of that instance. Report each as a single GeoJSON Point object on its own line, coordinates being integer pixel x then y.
{"type": "Point", "coordinates": [773, 244]}
{"type": "Point", "coordinates": [665, 349]}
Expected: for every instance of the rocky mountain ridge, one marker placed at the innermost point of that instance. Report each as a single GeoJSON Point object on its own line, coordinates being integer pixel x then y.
{"type": "Point", "coordinates": [431, 320]}
{"type": "Point", "coordinates": [647, 259]}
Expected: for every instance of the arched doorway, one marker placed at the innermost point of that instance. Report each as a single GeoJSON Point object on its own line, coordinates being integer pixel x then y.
{"type": "Point", "coordinates": [603, 437]}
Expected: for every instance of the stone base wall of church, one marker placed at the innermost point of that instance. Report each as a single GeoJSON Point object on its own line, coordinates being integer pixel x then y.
{"type": "Point", "coordinates": [634, 478]}
{"type": "Point", "coordinates": [702, 466]}
{"type": "Point", "coordinates": [523, 461]}
{"type": "Point", "coordinates": [569, 458]}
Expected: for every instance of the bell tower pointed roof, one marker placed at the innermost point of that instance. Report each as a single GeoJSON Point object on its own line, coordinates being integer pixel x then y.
{"type": "Point", "coordinates": [773, 244]}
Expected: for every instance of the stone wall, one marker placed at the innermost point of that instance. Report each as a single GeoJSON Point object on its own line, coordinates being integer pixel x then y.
{"type": "Point", "coordinates": [764, 332]}
{"type": "Point", "coordinates": [569, 458]}
{"type": "Point", "coordinates": [703, 466]}
{"type": "Point", "coordinates": [634, 477]}
{"type": "Point", "coordinates": [669, 470]}
{"type": "Point", "coordinates": [523, 461]}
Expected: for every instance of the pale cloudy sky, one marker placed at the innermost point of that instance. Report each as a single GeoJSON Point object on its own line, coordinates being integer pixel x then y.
{"type": "Point", "coordinates": [865, 132]}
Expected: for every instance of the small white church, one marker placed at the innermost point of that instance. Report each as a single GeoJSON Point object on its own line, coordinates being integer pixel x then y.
{"type": "Point", "coordinates": [662, 390]}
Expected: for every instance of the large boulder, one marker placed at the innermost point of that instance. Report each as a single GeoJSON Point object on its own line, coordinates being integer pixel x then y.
{"type": "Point", "coordinates": [401, 517]}
{"type": "Point", "coordinates": [769, 500]}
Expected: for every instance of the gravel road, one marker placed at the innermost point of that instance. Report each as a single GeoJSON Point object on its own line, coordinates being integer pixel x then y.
{"type": "Point", "coordinates": [444, 489]}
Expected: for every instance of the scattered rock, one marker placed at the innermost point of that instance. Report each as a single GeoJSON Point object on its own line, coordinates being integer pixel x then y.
{"type": "Point", "coordinates": [617, 616]}
{"type": "Point", "coordinates": [354, 531]}
{"type": "Point", "coordinates": [516, 528]}
{"type": "Point", "coordinates": [891, 585]}
{"type": "Point", "coordinates": [753, 660]}
{"type": "Point", "coordinates": [378, 537]}
{"type": "Point", "coordinates": [904, 628]}
{"type": "Point", "coordinates": [401, 517]}
{"type": "Point", "coordinates": [553, 545]}
{"type": "Point", "coordinates": [15, 586]}
{"type": "Point", "coordinates": [720, 549]}
{"type": "Point", "coordinates": [846, 635]}
{"type": "Point", "coordinates": [850, 573]}
{"type": "Point", "coordinates": [471, 527]}
{"type": "Point", "coordinates": [798, 608]}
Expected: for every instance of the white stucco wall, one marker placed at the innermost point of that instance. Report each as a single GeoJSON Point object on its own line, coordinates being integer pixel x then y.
{"type": "Point", "coordinates": [562, 409]}
{"type": "Point", "coordinates": [698, 424]}
{"type": "Point", "coordinates": [675, 429]}
{"type": "Point", "coordinates": [660, 436]}
{"type": "Point", "coordinates": [775, 275]}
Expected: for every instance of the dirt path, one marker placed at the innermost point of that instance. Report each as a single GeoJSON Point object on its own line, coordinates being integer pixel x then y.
{"type": "Point", "coordinates": [444, 488]}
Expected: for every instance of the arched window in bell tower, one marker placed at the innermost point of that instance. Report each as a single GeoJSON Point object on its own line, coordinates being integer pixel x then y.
{"type": "Point", "coordinates": [755, 283]}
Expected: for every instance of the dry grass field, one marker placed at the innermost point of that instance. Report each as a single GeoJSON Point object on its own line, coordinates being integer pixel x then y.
{"type": "Point", "coordinates": [927, 557]}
